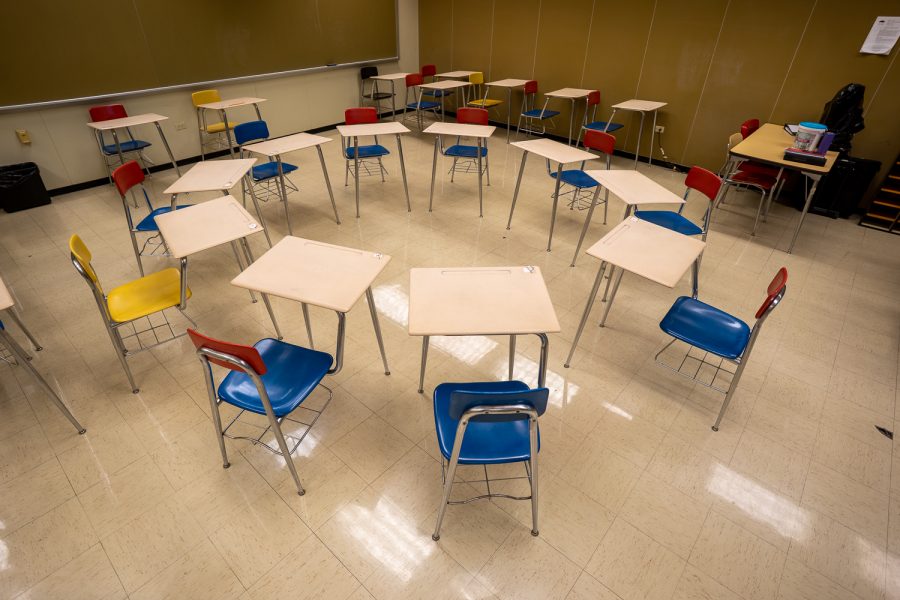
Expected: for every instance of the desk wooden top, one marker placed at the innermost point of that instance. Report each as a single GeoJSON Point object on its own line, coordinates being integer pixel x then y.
{"type": "Point", "coordinates": [555, 151]}
{"type": "Point", "coordinates": [461, 129]}
{"type": "Point", "coordinates": [640, 105]}
{"type": "Point", "coordinates": [480, 301]}
{"type": "Point", "coordinates": [455, 74]}
{"type": "Point", "coordinates": [508, 83]}
{"type": "Point", "coordinates": [659, 254]}
{"type": "Point", "coordinates": [127, 121]}
{"type": "Point", "coordinates": [390, 76]}
{"type": "Point", "coordinates": [205, 225]}
{"type": "Point", "coordinates": [768, 143]}
{"type": "Point", "coordinates": [569, 93]}
{"type": "Point", "coordinates": [633, 187]}
{"type": "Point", "coordinates": [6, 299]}
{"type": "Point", "coordinates": [288, 143]}
{"type": "Point", "coordinates": [384, 128]}
{"type": "Point", "coordinates": [445, 84]}
{"type": "Point", "coordinates": [333, 277]}
{"type": "Point", "coordinates": [233, 103]}
{"type": "Point", "coordinates": [211, 176]}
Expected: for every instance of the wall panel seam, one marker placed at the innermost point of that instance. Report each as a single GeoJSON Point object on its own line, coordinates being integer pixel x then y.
{"type": "Point", "coordinates": [878, 87]}
{"type": "Point", "coordinates": [793, 58]}
{"type": "Point", "coordinates": [587, 45]}
{"type": "Point", "coordinates": [537, 37]}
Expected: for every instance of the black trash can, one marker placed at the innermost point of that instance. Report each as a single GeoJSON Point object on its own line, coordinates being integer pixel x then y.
{"type": "Point", "coordinates": [841, 191]}
{"type": "Point", "coordinates": [21, 187]}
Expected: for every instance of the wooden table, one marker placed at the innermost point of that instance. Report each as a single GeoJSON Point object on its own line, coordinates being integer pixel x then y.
{"type": "Point", "coordinates": [643, 107]}
{"type": "Point", "coordinates": [375, 129]}
{"type": "Point", "coordinates": [509, 84]}
{"type": "Point", "coordinates": [481, 133]}
{"type": "Point", "coordinates": [112, 125]}
{"type": "Point", "coordinates": [572, 94]}
{"type": "Point", "coordinates": [324, 275]}
{"type": "Point", "coordinates": [443, 85]}
{"type": "Point", "coordinates": [274, 148]}
{"type": "Point", "coordinates": [481, 301]}
{"type": "Point", "coordinates": [653, 252]}
{"type": "Point", "coordinates": [767, 145]}
{"type": "Point", "coordinates": [391, 78]}
{"type": "Point", "coordinates": [551, 150]}
{"type": "Point", "coordinates": [223, 105]}
{"type": "Point", "coordinates": [7, 307]}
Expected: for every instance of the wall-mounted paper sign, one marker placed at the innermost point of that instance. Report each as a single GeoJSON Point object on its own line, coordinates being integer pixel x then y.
{"type": "Point", "coordinates": [882, 36]}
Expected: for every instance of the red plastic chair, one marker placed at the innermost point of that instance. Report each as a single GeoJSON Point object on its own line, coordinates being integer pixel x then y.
{"type": "Point", "coordinates": [111, 151]}
{"type": "Point", "coordinates": [748, 127]}
{"type": "Point", "coordinates": [466, 152]}
{"type": "Point", "coordinates": [593, 101]}
{"type": "Point", "coordinates": [472, 116]}
{"type": "Point", "coordinates": [748, 174]}
{"type": "Point", "coordinates": [413, 80]}
{"type": "Point", "coordinates": [362, 116]}
{"type": "Point", "coordinates": [530, 113]}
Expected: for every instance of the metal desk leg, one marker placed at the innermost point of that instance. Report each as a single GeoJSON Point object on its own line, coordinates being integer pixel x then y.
{"type": "Point", "coordinates": [587, 223]}
{"type": "Point", "coordinates": [512, 355]}
{"type": "Point", "coordinates": [356, 171]}
{"type": "Point", "coordinates": [612, 298]}
{"type": "Point", "coordinates": [508, 112]}
{"type": "Point", "coordinates": [259, 216]}
{"type": "Point", "coordinates": [248, 254]}
{"type": "Point", "coordinates": [227, 132]}
{"type": "Point", "coordinates": [480, 176]}
{"type": "Point", "coordinates": [425, 339]}
{"type": "Point", "coordinates": [609, 279]}
{"type": "Point", "coordinates": [516, 192]}
{"type": "Point", "coordinates": [11, 313]}
{"type": "Point", "coordinates": [433, 172]}
{"type": "Point", "coordinates": [403, 173]}
{"type": "Point", "coordinates": [370, 299]}
{"type": "Point", "coordinates": [328, 184]}
{"type": "Point", "coordinates": [652, 135]}
{"type": "Point", "coordinates": [240, 263]}
{"type": "Point", "coordinates": [165, 142]}
{"type": "Point", "coordinates": [571, 122]}
{"type": "Point", "coordinates": [809, 197]}
{"type": "Point", "coordinates": [304, 307]}
{"type": "Point", "coordinates": [587, 311]}
{"type": "Point", "coordinates": [637, 147]}
{"type": "Point", "coordinates": [542, 365]}
{"type": "Point", "coordinates": [393, 102]}
{"type": "Point", "coordinates": [19, 354]}
{"type": "Point", "coordinates": [555, 203]}
{"type": "Point", "coordinates": [339, 351]}
{"type": "Point", "coordinates": [182, 304]}
{"type": "Point", "coordinates": [287, 214]}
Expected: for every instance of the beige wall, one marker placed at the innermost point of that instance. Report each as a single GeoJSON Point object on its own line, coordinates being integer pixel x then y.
{"type": "Point", "coordinates": [716, 62]}
{"type": "Point", "coordinates": [64, 148]}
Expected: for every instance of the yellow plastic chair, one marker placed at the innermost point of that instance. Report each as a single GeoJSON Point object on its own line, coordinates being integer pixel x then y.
{"type": "Point", "coordinates": [211, 134]}
{"type": "Point", "coordinates": [128, 308]}
{"type": "Point", "coordinates": [480, 98]}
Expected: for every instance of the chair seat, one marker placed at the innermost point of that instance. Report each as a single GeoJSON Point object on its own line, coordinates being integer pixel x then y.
{"type": "Point", "coordinates": [371, 151]}
{"type": "Point", "coordinates": [756, 168]}
{"type": "Point", "coordinates": [670, 220]}
{"type": "Point", "coordinates": [601, 126]}
{"type": "Point", "coordinates": [148, 223]}
{"type": "Point", "coordinates": [219, 127]}
{"type": "Point", "coordinates": [437, 93]}
{"type": "Point", "coordinates": [536, 114]}
{"type": "Point", "coordinates": [706, 327]}
{"type": "Point", "coordinates": [485, 442]}
{"type": "Point", "coordinates": [127, 146]}
{"type": "Point", "coordinates": [424, 105]}
{"type": "Point", "coordinates": [482, 103]}
{"type": "Point", "coordinates": [377, 95]}
{"type": "Point", "coordinates": [577, 178]}
{"type": "Point", "coordinates": [747, 178]}
{"type": "Point", "coordinates": [270, 169]}
{"type": "Point", "coordinates": [293, 373]}
{"type": "Point", "coordinates": [145, 296]}
{"type": "Point", "coordinates": [461, 151]}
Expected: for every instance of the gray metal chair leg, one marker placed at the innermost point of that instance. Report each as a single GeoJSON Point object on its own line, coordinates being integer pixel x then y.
{"type": "Point", "coordinates": [736, 378]}
{"type": "Point", "coordinates": [122, 353]}
{"type": "Point", "coordinates": [305, 308]}
{"type": "Point", "coordinates": [448, 483]}
{"type": "Point", "coordinates": [279, 436]}
{"type": "Point", "coordinates": [533, 427]}
{"type": "Point", "coordinates": [762, 201]}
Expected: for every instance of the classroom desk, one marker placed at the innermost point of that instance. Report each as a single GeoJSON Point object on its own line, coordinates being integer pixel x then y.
{"type": "Point", "coordinates": [324, 275]}
{"type": "Point", "coordinates": [374, 129]}
{"type": "Point", "coordinates": [767, 145]}
{"type": "Point", "coordinates": [223, 105]}
{"type": "Point", "coordinates": [443, 85]}
{"type": "Point", "coordinates": [112, 124]}
{"type": "Point", "coordinates": [290, 143]}
{"type": "Point", "coordinates": [509, 84]}
{"type": "Point", "coordinates": [391, 78]}
{"type": "Point", "coordinates": [572, 94]}
{"type": "Point", "coordinates": [551, 150]}
{"type": "Point", "coordinates": [643, 107]}
{"type": "Point", "coordinates": [457, 75]}
{"type": "Point", "coordinates": [7, 307]}
{"type": "Point", "coordinates": [207, 225]}
{"type": "Point", "coordinates": [653, 252]}
{"type": "Point", "coordinates": [481, 301]}
{"type": "Point", "coordinates": [481, 133]}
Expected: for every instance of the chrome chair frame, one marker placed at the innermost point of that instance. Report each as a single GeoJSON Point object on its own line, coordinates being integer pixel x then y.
{"type": "Point", "coordinates": [727, 172]}
{"type": "Point", "coordinates": [155, 243]}
{"type": "Point", "coordinates": [365, 165]}
{"type": "Point", "coordinates": [418, 111]}
{"type": "Point", "coordinates": [528, 128]}
{"type": "Point", "coordinates": [111, 160]}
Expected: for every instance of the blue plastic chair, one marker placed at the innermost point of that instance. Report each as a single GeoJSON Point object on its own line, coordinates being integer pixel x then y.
{"type": "Point", "coordinates": [716, 332]}
{"type": "Point", "coordinates": [131, 145]}
{"type": "Point", "coordinates": [419, 106]}
{"type": "Point", "coordinates": [529, 113]}
{"type": "Point", "coordinates": [270, 378]}
{"type": "Point", "coordinates": [265, 176]}
{"type": "Point", "coordinates": [126, 178]}
{"type": "Point", "coordinates": [368, 153]}
{"type": "Point", "coordinates": [705, 182]}
{"type": "Point", "coordinates": [488, 424]}
{"type": "Point", "coordinates": [593, 101]}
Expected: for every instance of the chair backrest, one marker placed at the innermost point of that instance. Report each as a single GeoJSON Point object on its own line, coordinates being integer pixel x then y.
{"type": "Point", "coordinates": [734, 139]}
{"type": "Point", "coordinates": [248, 354]}
{"type": "Point", "coordinates": [774, 293]}
{"type": "Point", "coordinates": [107, 112]}
{"type": "Point", "coordinates": [127, 176]}
{"type": "Point", "coordinates": [82, 256]}
{"type": "Point", "coordinates": [593, 98]}
{"type": "Point", "coordinates": [413, 79]}
{"type": "Point", "coordinates": [428, 71]}
{"type": "Point", "coordinates": [705, 182]}
{"type": "Point", "coordinates": [476, 78]}
{"type": "Point", "coordinates": [205, 97]}
{"type": "Point", "coordinates": [600, 140]}
{"type": "Point", "coordinates": [531, 87]}
{"type": "Point", "coordinates": [250, 132]}
{"type": "Point", "coordinates": [472, 116]}
{"type": "Point", "coordinates": [462, 401]}
{"type": "Point", "coordinates": [360, 116]}
{"type": "Point", "coordinates": [749, 126]}
{"type": "Point", "coordinates": [367, 72]}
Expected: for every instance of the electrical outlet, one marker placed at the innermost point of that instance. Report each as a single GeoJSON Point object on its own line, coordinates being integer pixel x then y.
{"type": "Point", "coordinates": [660, 129]}
{"type": "Point", "coordinates": [180, 126]}
{"type": "Point", "coordinates": [23, 136]}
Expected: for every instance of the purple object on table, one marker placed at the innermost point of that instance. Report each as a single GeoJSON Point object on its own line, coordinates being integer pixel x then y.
{"type": "Point", "coordinates": [825, 143]}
